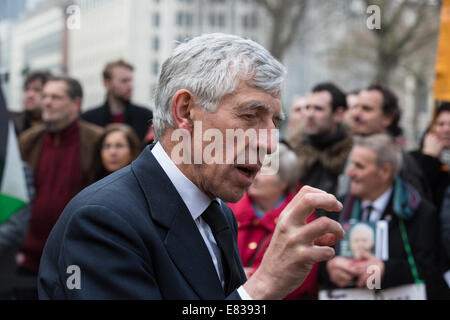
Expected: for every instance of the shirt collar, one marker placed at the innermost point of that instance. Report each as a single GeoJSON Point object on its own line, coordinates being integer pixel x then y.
{"type": "Point", "coordinates": [380, 204]}
{"type": "Point", "coordinates": [195, 200]}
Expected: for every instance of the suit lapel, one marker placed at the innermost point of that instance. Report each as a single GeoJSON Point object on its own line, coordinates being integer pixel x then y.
{"type": "Point", "coordinates": [183, 240]}
{"type": "Point", "coordinates": [389, 213]}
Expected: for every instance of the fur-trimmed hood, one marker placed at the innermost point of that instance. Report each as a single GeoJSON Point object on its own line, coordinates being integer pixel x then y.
{"type": "Point", "coordinates": [333, 157]}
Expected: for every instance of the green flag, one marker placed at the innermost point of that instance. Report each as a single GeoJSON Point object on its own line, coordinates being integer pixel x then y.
{"type": "Point", "coordinates": [13, 190]}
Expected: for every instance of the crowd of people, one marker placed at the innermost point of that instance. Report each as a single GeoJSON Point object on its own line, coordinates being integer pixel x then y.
{"type": "Point", "coordinates": [64, 151]}
{"type": "Point", "coordinates": [349, 145]}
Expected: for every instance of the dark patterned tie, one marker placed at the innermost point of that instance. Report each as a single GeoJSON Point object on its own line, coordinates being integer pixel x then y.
{"type": "Point", "coordinates": [215, 218]}
{"type": "Point", "coordinates": [367, 211]}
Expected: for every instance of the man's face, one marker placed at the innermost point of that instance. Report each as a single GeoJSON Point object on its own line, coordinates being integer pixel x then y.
{"type": "Point", "coordinates": [296, 114]}
{"type": "Point", "coordinates": [120, 86]}
{"type": "Point", "coordinates": [59, 110]}
{"type": "Point", "coordinates": [318, 114]}
{"type": "Point", "coordinates": [364, 173]}
{"type": "Point", "coordinates": [251, 110]}
{"type": "Point", "coordinates": [361, 241]}
{"type": "Point", "coordinates": [32, 96]}
{"type": "Point", "coordinates": [368, 117]}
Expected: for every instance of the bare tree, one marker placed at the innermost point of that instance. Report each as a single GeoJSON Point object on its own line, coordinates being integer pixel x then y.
{"type": "Point", "coordinates": [286, 16]}
{"type": "Point", "coordinates": [406, 27]}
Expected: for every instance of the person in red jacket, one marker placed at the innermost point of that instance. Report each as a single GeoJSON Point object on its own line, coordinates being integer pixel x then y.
{"type": "Point", "coordinates": [258, 211]}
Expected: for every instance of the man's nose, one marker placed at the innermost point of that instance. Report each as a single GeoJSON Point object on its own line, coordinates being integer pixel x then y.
{"type": "Point", "coordinates": [349, 171]}
{"type": "Point", "coordinates": [268, 138]}
{"type": "Point", "coordinates": [355, 111]}
{"type": "Point", "coordinates": [46, 102]}
{"type": "Point", "coordinates": [308, 112]}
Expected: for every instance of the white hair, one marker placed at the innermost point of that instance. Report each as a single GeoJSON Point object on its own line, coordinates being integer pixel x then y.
{"type": "Point", "coordinates": [288, 170]}
{"type": "Point", "coordinates": [364, 229]}
{"type": "Point", "coordinates": [211, 66]}
{"type": "Point", "coordinates": [385, 149]}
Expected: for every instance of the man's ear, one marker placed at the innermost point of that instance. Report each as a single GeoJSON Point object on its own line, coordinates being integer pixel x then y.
{"type": "Point", "coordinates": [386, 120]}
{"type": "Point", "coordinates": [77, 102]}
{"type": "Point", "coordinates": [181, 107]}
{"type": "Point", "coordinates": [386, 171]}
{"type": "Point", "coordinates": [107, 84]}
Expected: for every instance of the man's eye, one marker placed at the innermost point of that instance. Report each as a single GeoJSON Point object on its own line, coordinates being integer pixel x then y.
{"type": "Point", "coordinates": [249, 116]}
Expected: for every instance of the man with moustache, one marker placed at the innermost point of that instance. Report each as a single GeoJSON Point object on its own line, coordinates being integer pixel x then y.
{"type": "Point", "coordinates": [60, 153]}
{"type": "Point", "coordinates": [377, 193]}
{"type": "Point", "coordinates": [118, 108]}
{"type": "Point", "coordinates": [324, 143]}
{"type": "Point", "coordinates": [377, 111]}
{"type": "Point", "coordinates": [158, 229]}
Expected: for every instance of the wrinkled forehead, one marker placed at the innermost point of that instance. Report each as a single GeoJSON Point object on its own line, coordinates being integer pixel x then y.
{"type": "Point", "coordinates": [35, 84]}
{"type": "Point", "coordinates": [269, 108]}
{"type": "Point", "coordinates": [119, 72]}
{"type": "Point", "coordinates": [246, 98]}
{"type": "Point", "coordinates": [362, 154]}
{"type": "Point", "coordinates": [56, 87]}
{"type": "Point", "coordinates": [321, 98]}
{"type": "Point", "coordinates": [371, 98]}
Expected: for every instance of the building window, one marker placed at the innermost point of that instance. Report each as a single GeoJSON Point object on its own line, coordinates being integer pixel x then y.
{"type": "Point", "coordinates": [212, 20]}
{"type": "Point", "coordinates": [156, 19]}
{"type": "Point", "coordinates": [184, 19]}
{"type": "Point", "coordinates": [250, 21]}
{"type": "Point", "coordinates": [221, 20]}
{"type": "Point", "coordinates": [155, 43]}
{"type": "Point", "coordinates": [179, 18]}
{"type": "Point", "coordinates": [216, 20]}
{"type": "Point", "coordinates": [155, 67]}
{"type": "Point", "coordinates": [189, 19]}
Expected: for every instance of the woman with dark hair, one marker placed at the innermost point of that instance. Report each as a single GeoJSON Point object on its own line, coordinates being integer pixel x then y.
{"type": "Point", "coordinates": [434, 158]}
{"type": "Point", "coordinates": [116, 148]}
{"type": "Point", "coordinates": [434, 153]}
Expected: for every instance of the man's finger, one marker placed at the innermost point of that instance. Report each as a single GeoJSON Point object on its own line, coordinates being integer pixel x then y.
{"type": "Point", "coordinates": [328, 239]}
{"type": "Point", "coordinates": [298, 211]}
{"type": "Point", "coordinates": [304, 190]}
{"type": "Point", "coordinates": [320, 227]}
{"type": "Point", "coordinates": [319, 254]}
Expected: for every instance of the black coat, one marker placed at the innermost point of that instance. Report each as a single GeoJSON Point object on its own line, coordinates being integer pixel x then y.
{"type": "Point", "coordinates": [132, 237]}
{"type": "Point", "coordinates": [436, 175]}
{"type": "Point", "coordinates": [139, 118]}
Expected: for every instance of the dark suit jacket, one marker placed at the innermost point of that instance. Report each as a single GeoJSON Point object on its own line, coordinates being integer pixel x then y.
{"type": "Point", "coordinates": [139, 118]}
{"type": "Point", "coordinates": [132, 237]}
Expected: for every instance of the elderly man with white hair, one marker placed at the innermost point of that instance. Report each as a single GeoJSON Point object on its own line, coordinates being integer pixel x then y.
{"type": "Point", "coordinates": [159, 228]}
{"type": "Point", "coordinates": [377, 193]}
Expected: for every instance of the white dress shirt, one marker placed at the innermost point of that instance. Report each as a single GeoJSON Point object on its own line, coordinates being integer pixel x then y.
{"type": "Point", "coordinates": [196, 201]}
{"type": "Point", "coordinates": [378, 206]}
